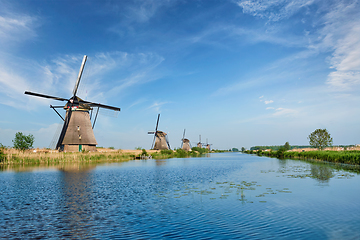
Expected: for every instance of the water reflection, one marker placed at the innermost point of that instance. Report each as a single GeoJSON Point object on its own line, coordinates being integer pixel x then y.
{"type": "Point", "coordinates": [75, 200]}
{"type": "Point", "coordinates": [321, 172]}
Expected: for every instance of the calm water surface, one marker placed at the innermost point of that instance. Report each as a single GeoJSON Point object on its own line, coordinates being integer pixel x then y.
{"type": "Point", "coordinates": [224, 196]}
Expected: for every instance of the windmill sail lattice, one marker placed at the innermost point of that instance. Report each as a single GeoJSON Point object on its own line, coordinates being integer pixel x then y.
{"type": "Point", "coordinates": [77, 132]}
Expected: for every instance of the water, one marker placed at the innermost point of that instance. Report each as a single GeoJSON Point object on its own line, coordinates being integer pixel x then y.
{"type": "Point", "coordinates": [224, 196]}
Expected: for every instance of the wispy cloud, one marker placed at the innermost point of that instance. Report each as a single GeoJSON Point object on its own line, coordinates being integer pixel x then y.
{"type": "Point", "coordinates": [284, 112]}
{"type": "Point", "coordinates": [268, 101]}
{"type": "Point", "coordinates": [16, 29]}
{"type": "Point", "coordinates": [57, 77]}
{"type": "Point", "coordinates": [342, 34]}
{"type": "Point", "coordinates": [273, 10]}
{"type": "Point", "coordinates": [335, 29]}
{"type": "Point", "coordinates": [156, 106]}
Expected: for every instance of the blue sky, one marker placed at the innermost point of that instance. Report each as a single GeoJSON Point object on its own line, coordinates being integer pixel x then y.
{"type": "Point", "coordinates": [240, 73]}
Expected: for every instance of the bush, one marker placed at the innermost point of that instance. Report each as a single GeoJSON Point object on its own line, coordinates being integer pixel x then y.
{"type": "Point", "coordinates": [144, 153]}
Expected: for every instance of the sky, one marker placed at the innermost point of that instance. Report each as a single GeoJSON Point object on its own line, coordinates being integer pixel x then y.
{"type": "Point", "coordinates": [239, 73]}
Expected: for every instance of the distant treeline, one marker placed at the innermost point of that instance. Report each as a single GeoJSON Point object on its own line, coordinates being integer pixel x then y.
{"type": "Point", "coordinates": [277, 147]}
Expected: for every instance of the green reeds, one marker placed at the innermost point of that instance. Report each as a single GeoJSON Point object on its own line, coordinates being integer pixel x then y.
{"type": "Point", "coordinates": [347, 157]}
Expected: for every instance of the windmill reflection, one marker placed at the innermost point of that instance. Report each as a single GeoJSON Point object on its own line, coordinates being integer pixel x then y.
{"type": "Point", "coordinates": [75, 200]}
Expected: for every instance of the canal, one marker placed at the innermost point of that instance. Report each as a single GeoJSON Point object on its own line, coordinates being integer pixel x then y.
{"type": "Point", "coordinates": [222, 196]}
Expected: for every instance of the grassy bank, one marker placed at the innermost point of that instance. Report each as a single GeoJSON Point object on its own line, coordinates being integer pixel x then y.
{"type": "Point", "coordinates": [26, 157]}
{"type": "Point", "coordinates": [46, 157]}
{"type": "Point", "coordinates": [346, 157]}
{"type": "Point", "coordinates": [179, 153]}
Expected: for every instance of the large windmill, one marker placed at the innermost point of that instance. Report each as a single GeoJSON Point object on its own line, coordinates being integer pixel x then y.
{"type": "Point", "coordinates": [160, 141]}
{"type": "Point", "coordinates": [77, 132]}
{"type": "Point", "coordinates": [185, 143]}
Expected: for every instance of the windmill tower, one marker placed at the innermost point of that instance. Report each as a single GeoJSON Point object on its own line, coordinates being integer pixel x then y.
{"type": "Point", "coordinates": [185, 143]}
{"type": "Point", "coordinates": [160, 138]}
{"type": "Point", "coordinates": [77, 132]}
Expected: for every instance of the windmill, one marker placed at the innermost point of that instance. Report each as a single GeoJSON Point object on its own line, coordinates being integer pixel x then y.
{"type": "Point", "coordinates": [77, 132]}
{"type": "Point", "coordinates": [207, 145]}
{"type": "Point", "coordinates": [160, 138]}
{"type": "Point", "coordinates": [199, 144]}
{"type": "Point", "coordinates": [185, 143]}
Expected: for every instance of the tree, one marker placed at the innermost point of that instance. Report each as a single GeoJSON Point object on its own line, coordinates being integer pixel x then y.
{"type": "Point", "coordinates": [320, 138]}
{"type": "Point", "coordinates": [287, 146]}
{"type": "Point", "coordinates": [22, 141]}
{"type": "Point", "coordinates": [243, 149]}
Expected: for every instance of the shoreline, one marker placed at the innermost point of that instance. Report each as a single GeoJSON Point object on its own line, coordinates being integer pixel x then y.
{"type": "Point", "coordinates": [46, 156]}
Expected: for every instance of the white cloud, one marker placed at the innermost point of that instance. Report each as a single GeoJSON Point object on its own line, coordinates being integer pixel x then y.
{"type": "Point", "coordinates": [57, 78]}
{"type": "Point", "coordinates": [284, 112]}
{"type": "Point", "coordinates": [274, 10]}
{"type": "Point", "coordinates": [268, 101]}
{"type": "Point", "coordinates": [16, 29]}
{"type": "Point", "coordinates": [156, 106]}
{"type": "Point", "coordinates": [268, 108]}
{"type": "Point", "coordinates": [342, 34]}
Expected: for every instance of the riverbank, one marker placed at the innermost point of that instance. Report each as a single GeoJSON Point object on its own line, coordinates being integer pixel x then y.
{"type": "Point", "coordinates": [44, 156]}
{"type": "Point", "coordinates": [345, 157]}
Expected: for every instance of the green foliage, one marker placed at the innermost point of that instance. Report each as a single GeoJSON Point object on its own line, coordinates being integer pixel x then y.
{"type": "Point", "coordinates": [138, 148]}
{"type": "Point", "coordinates": [23, 142]}
{"type": "Point", "coordinates": [277, 147]}
{"type": "Point", "coordinates": [201, 150]}
{"type": "Point", "coordinates": [280, 153]}
{"type": "Point", "coordinates": [180, 153]}
{"type": "Point", "coordinates": [2, 155]}
{"type": "Point", "coordinates": [234, 150]}
{"type": "Point", "coordinates": [347, 157]}
{"type": "Point", "coordinates": [320, 138]}
{"type": "Point", "coordinates": [218, 151]}
{"type": "Point", "coordinates": [243, 149]}
{"type": "Point", "coordinates": [111, 148]}
{"type": "Point", "coordinates": [287, 146]}
{"type": "Point", "coordinates": [144, 153]}
{"type": "Point", "coordinates": [259, 152]}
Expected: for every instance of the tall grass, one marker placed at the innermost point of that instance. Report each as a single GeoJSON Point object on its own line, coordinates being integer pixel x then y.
{"type": "Point", "coordinates": [12, 156]}
{"type": "Point", "coordinates": [46, 157]}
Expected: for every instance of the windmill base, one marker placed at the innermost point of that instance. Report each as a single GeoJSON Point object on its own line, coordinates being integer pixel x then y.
{"type": "Point", "coordinates": [77, 148]}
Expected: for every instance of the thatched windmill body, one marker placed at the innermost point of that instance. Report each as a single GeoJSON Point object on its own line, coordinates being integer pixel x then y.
{"type": "Point", "coordinates": [160, 141]}
{"type": "Point", "coordinates": [77, 132]}
{"type": "Point", "coordinates": [185, 143]}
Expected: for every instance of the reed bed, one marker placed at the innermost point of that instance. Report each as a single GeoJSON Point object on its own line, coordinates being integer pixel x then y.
{"type": "Point", "coordinates": [346, 157]}
{"type": "Point", "coordinates": [49, 157]}
{"type": "Point", "coordinates": [12, 156]}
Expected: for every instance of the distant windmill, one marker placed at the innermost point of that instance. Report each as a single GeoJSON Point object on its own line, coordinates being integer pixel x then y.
{"type": "Point", "coordinates": [185, 143]}
{"type": "Point", "coordinates": [77, 132]}
{"type": "Point", "coordinates": [160, 141]}
{"type": "Point", "coordinates": [199, 144]}
{"type": "Point", "coordinates": [207, 145]}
